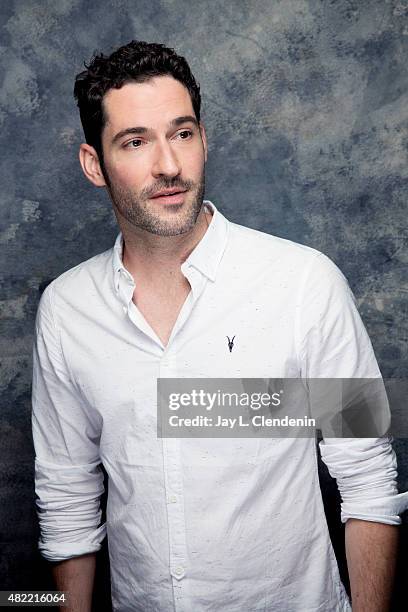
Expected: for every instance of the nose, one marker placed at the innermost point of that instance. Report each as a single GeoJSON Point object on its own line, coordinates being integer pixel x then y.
{"type": "Point", "coordinates": [166, 161]}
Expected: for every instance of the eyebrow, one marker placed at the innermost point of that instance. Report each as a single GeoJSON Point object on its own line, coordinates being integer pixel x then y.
{"type": "Point", "coordinates": [143, 130]}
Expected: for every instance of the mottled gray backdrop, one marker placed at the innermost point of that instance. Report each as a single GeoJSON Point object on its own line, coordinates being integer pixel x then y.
{"type": "Point", "coordinates": [306, 109]}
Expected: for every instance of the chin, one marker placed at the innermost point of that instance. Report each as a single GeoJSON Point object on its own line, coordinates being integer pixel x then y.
{"type": "Point", "coordinates": [162, 228]}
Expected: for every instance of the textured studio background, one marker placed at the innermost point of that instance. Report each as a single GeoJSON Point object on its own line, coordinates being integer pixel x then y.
{"type": "Point", "coordinates": [306, 109]}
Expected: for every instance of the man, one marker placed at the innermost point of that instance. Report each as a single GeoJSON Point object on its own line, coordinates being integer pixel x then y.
{"type": "Point", "coordinates": [194, 524]}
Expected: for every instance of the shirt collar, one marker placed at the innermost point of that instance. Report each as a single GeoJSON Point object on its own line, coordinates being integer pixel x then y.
{"type": "Point", "coordinates": [205, 257]}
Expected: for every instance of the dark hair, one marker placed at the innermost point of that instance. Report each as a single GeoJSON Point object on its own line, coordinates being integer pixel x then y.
{"type": "Point", "coordinates": [137, 61]}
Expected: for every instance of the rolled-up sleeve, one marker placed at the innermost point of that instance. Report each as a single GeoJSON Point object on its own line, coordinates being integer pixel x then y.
{"type": "Point", "coordinates": [68, 475]}
{"type": "Point", "coordinates": [366, 472]}
{"type": "Point", "coordinates": [333, 343]}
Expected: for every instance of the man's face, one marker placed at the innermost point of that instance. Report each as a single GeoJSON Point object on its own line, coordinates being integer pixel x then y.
{"type": "Point", "coordinates": [152, 142]}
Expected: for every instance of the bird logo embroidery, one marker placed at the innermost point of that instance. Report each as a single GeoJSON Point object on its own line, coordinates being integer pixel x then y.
{"type": "Point", "coordinates": [230, 343]}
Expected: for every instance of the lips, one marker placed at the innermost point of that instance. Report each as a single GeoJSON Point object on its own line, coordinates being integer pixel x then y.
{"type": "Point", "coordinates": [170, 196]}
{"type": "Point", "coordinates": [167, 192]}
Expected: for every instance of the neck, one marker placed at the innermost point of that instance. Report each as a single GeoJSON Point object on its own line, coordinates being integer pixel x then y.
{"type": "Point", "coordinates": [151, 256]}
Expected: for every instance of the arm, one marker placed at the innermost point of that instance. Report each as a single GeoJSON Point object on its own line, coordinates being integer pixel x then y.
{"type": "Point", "coordinates": [334, 344]}
{"type": "Point", "coordinates": [75, 577]}
{"type": "Point", "coordinates": [68, 476]}
{"type": "Point", "coordinates": [371, 550]}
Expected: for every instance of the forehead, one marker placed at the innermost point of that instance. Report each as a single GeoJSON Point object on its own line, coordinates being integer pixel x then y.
{"type": "Point", "coordinates": [150, 104]}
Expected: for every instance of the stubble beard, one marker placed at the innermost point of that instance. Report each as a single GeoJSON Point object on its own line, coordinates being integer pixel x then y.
{"type": "Point", "coordinates": [136, 207]}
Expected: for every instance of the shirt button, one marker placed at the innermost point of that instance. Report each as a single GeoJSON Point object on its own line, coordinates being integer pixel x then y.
{"type": "Point", "coordinates": [124, 309]}
{"type": "Point", "coordinates": [179, 570]}
{"type": "Point", "coordinates": [173, 499]}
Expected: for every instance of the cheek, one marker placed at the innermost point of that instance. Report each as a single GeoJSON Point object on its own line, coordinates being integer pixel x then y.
{"type": "Point", "coordinates": [128, 174]}
{"type": "Point", "coordinates": [194, 164]}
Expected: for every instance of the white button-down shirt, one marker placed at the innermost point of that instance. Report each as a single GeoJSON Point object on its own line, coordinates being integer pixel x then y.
{"type": "Point", "coordinates": [203, 524]}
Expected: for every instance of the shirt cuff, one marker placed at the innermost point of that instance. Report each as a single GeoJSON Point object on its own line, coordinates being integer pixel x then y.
{"type": "Point", "coordinates": [380, 510]}
{"type": "Point", "coordinates": [68, 507]}
{"type": "Point", "coordinates": [61, 551]}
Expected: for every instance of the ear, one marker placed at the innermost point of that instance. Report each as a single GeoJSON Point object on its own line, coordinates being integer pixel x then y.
{"type": "Point", "coordinates": [204, 139]}
{"type": "Point", "coordinates": [91, 167]}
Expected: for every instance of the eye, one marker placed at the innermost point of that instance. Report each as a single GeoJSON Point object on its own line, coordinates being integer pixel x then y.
{"type": "Point", "coordinates": [134, 144]}
{"type": "Point", "coordinates": [185, 134]}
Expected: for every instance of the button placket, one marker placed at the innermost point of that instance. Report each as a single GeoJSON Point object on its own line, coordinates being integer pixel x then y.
{"type": "Point", "coordinates": [176, 518]}
{"type": "Point", "coordinates": [174, 481]}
